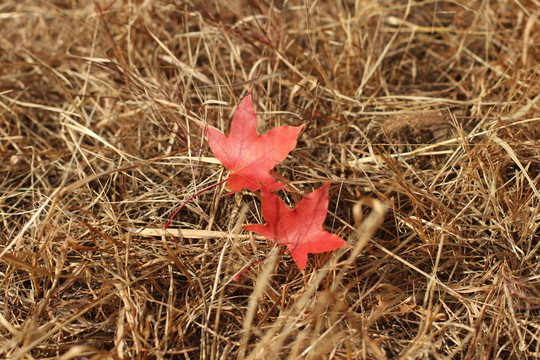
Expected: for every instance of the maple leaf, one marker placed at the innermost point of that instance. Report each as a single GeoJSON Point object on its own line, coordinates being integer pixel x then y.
{"type": "Point", "coordinates": [301, 229]}
{"type": "Point", "coordinates": [250, 156]}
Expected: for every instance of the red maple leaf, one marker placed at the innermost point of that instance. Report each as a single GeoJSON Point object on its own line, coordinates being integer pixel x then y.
{"type": "Point", "coordinates": [250, 156]}
{"type": "Point", "coordinates": [301, 229]}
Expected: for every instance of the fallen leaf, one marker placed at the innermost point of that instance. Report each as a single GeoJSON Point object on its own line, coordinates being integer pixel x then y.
{"type": "Point", "coordinates": [250, 156]}
{"type": "Point", "coordinates": [301, 229]}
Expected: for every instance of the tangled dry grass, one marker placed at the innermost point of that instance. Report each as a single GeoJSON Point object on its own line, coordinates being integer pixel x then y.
{"type": "Point", "coordinates": [426, 111]}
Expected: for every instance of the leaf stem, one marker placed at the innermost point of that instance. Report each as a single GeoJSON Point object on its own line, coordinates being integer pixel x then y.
{"type": "Point", "coordinates": [191, 198]}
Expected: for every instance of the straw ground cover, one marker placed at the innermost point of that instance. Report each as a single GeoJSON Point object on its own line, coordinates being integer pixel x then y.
{"type": "Point", "coordinates": [423, 115]}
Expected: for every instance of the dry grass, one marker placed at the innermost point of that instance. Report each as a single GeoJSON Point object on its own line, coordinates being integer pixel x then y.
{"type": "Point", "coordinates": [429, 110]}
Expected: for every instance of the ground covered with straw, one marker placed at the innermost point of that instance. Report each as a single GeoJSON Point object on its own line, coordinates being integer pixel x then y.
{"type": "Point", "coordinates": [423, 115]}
